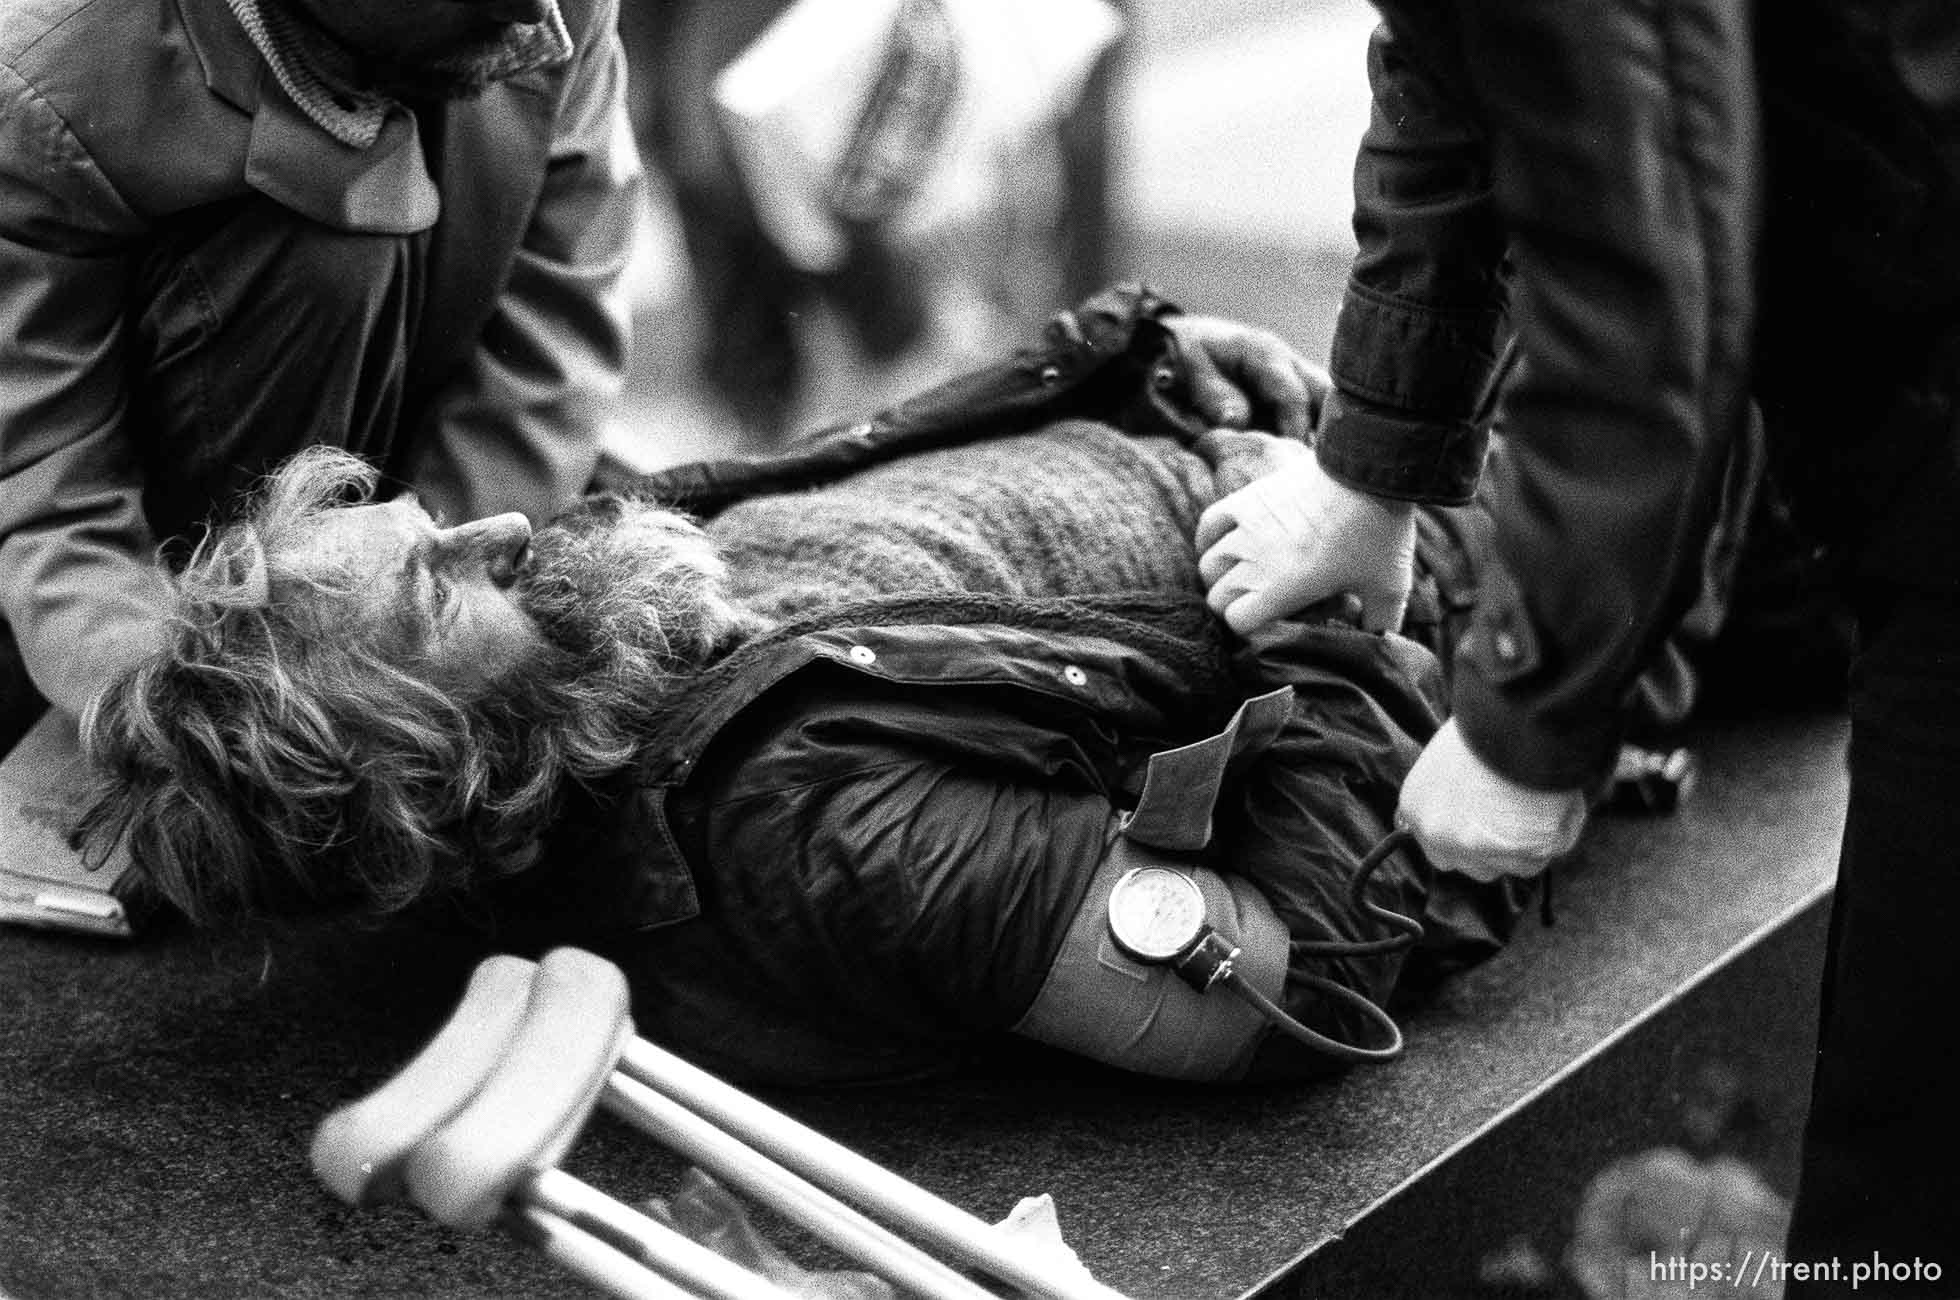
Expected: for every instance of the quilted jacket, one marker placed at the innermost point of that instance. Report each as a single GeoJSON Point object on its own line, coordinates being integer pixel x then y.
{"type": "Point", "coordinates": [856, 847]}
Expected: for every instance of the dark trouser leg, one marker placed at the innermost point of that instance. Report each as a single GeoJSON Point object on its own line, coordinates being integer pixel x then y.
{"type": "Point", "coordinates": [232, 378]}
{"type": "Point", "coordinates": [1881, 1161]}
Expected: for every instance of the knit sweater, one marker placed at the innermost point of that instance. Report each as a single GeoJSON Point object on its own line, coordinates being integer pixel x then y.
{"type": "Point", "coordinates": [1078, 509]}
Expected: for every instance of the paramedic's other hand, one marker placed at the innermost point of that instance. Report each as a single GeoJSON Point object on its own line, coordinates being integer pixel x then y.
{"type": "Point", "coordinates": [1296, 537]}
{"type": "Point", "coordinates": [1236, 369]}
{"type": "Point", "coordinates": [1471, 820]}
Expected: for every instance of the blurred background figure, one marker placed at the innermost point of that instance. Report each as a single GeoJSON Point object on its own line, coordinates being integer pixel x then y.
{"type": "Point", "coordinates": [1206, 149]}
{"type": "Point", "coordinates": [866, 196]}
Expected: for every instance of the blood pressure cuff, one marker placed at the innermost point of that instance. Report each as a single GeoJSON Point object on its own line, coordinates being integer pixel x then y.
{"type": "Point", "coordinates": [1102, 1004]}
{"type": "Point", "coordinates": [1099, 1003]}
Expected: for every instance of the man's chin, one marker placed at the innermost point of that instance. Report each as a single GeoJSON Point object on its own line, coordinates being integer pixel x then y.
{"type": "Point", "coordinates": [618, 584]}
{"type": "Point", "coordinates": [450, 79]}
{"type": "Point", "coordinates": [461, 73]}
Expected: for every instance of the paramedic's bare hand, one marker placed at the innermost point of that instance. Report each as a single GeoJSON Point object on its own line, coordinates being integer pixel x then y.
{"type": "Point", "coordinates": [1474, 821]}
{"type": "Point", "coordinates": [1296, 537]}
{"type": "Point", "coordinates": [1236, 369]}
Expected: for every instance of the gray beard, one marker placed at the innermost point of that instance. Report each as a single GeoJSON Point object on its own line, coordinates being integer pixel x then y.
{"type": "Point", "coordinates": [629, 598]}
{"type": "Point", "coordinates": [630, 590]}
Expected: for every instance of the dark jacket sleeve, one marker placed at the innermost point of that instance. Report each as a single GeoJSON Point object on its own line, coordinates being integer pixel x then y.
{"type": "Point", "coordinates": [1417, 332]}
{"type": "Point", "coordinates": [78, 585]}
{"type": "Point", "coordinates": [519, 427]}
{"type": "Point", "coordinates": [885, 876]}
{"type": "Point", "coordinates": [1619, 149]}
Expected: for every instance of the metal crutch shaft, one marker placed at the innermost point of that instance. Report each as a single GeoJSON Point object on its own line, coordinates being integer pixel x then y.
{"type": "Point", "coordinates": [597, 1262]}
{"type": "Point", "coordinates": [644, 1240]}
{"type": "Point", "coordinates": [836, 1166]}
{"type": "Point", "coordinates": [728, 1157]}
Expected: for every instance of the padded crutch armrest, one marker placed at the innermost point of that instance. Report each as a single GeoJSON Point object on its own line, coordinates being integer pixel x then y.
{"type": "Point", "coordinates": [501, 1092]}
{"type": "Point", "coordinates": [360, 1148]}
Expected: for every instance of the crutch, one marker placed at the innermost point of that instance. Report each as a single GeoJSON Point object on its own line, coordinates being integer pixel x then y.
{"type": "Point", "coordinates": [472, 1129]}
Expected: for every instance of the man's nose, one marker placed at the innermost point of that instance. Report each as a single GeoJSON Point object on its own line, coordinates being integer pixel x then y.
{"type": "Point", "coordinates": [496, 543]}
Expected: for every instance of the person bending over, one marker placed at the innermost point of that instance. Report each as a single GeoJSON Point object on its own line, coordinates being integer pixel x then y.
{"type": "Point", "coordinates": [230, 229]}
{"type": "Point", "coordinates": [843, 774]}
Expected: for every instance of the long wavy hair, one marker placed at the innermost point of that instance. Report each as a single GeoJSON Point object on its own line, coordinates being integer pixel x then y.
{"type": "Point", "coordinates": [277, 756]}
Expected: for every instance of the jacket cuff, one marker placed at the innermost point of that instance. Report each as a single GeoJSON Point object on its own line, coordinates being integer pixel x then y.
{"type": "Point", "coordinates": [1394, 454]}
{"type": "Point", "coordinates": [1520, 738]}
{"type": "Point", "coordinates": [1427, 360]}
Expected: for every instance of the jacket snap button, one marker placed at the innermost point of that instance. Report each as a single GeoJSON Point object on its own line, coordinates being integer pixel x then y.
{"type": "Point", "coordinates": [1164, 378]}
{"type": "Point", "coordinates": [863, 654]}
{"type": "Point", "coordinates": [1075, 676]}
{"type": "Point", "coordinates": [1051, 375]}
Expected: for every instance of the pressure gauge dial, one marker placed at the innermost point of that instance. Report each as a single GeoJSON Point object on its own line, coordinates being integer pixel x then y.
{"type": "Point", "coordinates": [1155, 913]}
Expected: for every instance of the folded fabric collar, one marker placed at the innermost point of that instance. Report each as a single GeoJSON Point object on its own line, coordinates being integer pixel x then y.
{"type": "Point", "coordinates": [315, 77]}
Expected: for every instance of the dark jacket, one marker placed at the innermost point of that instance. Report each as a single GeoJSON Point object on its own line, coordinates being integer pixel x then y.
{"type": "Point", "coordinates": [1577, 188]}
{"type": "Point", "coordinates": [1858, 340]}
{"type": "Point", "coordinates": [1575, 179]}
{"type": "Point", "coordinates": [855, 850]}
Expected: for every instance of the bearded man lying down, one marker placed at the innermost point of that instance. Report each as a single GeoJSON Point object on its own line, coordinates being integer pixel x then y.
{"type": "Point", "coordinates": [841, 767]}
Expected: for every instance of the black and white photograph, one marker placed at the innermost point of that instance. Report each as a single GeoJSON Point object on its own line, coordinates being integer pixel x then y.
{"type": "Point", "coordinates": [945, 649]}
